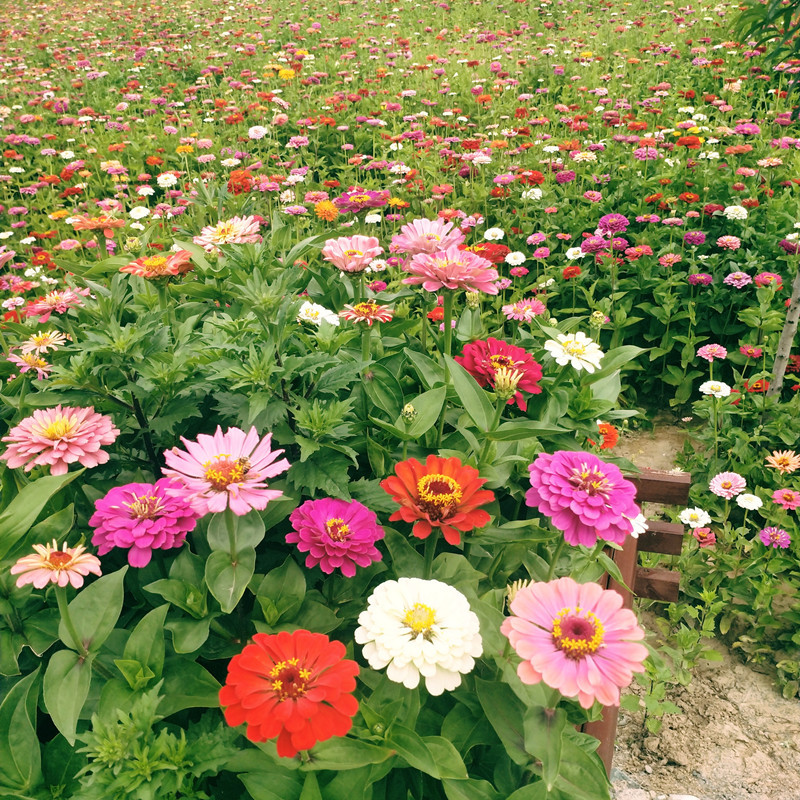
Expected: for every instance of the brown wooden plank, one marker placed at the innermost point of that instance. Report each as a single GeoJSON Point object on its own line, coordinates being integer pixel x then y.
{"type": "Point", "coordinates": [662, 537]}
{"type": "Point", "coordinates": [657, 584]}
{"type": "Point", "coordinates": [626, 560]}
{"type": "Point", "coordinates": [605, 730]}
{"type": "Point", "coordinates": [653, 486]}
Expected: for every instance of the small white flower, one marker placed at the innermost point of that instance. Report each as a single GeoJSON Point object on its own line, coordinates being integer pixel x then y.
{"type": "Point", "coordinates": [231, 162]}
{"type": "Point", "coordinates": [372, 219]}
{"type": "Point", "coordinates": [639, 524]}
{"type": "Point", "coordinates": [735, 212]}
{"type": "Point", "coordinates": [414, 628]}
{"type": "Point", "coordinates": [715, 389]}
{"type": "Point", "coordinates": [750, 502]}
{"type": "Point", "coordinates": [515, 258]}
{"type": "Point", "coordinates": [13, 302]}
{"type": "Point", "coordinates": [139, 212]}
{"type": "Point", "coordinates": [315, 313]}
{"type": "Point", "coordinates": [493, 234]}
{"type": "Point", "coordinates": [137, 226]}
{"type": "Point", "coordinates": [67, 155]}
{"type": "Point", "coordinates": [166, 179]}
{"type": "Point", "coordinates": [694, 517]}
{"type": "Point", "coordinates": [575, 349]}
{"type": "Point", "coordinates": [532, 194]}
{"type": "Point", "coordinates": [145, 191]}
{"type": "Point", "coordinates": [257, 132]}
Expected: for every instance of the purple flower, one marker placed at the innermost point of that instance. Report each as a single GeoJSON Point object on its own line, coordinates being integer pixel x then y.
{"type": "Point", "coordinates": [737, 279]}
{"type": "Point", "coordinates": [775, 537]}
{"type": "Point", "coordinates": [700, 279]}
{"type": "Point", "coordinates": [585, 497]}
{"type": "Point", "coordinates": [694, 237]}
{"type": "Point", "coordinates": [141, 517]}
{"type": "Point", "coordinates": [565, 176]}
{"type": "Point", "coordinates": [336, 534]}
{"type": "Point", "coordinates": [613, 223]}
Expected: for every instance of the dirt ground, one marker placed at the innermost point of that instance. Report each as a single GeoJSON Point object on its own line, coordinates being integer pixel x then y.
{"type": "Point", "coordinates": [737, 738]}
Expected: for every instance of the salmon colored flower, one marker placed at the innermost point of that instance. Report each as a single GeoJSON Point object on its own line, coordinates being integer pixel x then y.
{"type": "Point", "coordinates": [159, 266]}
{"type": "Point", "coordinates": [443, 493]}
{"type": "Point", "coordinates": [237, 230]}
{"type": "Point", "coordinates": [369, 311]}
{"type": "Point", "coordinates": [294, 686]}
{"type": "Point", "coordinates": [785, 461]}
{"type": "Point", "coordinates": [452, 269]}
{"type": "Point", "coordinates": [53, 564]}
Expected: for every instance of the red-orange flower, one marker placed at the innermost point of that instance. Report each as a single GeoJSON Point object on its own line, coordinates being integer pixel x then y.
{"type": "Point", "coordinates": [296, 686]}
{"type": "Point", "coordinates": [443, 493]}
{"type": "Point", "coordinates": [160, 266]}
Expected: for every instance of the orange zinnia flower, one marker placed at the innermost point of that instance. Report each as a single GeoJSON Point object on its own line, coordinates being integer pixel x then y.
{"type": "Point", "coordinates": [326, 210]}
{"type": "Point", "coordinates": [785, 461]}
{"type": "Point", "coordinates": [444, 493]}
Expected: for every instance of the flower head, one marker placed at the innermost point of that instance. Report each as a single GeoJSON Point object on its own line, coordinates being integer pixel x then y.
{"type": "Point", "coordinates": [426, 236]}
{"type": "Point", "coordinates": [30, 361]}
{"type": "Point", "coordinates": [226, 470]}
{"type": "Point", "coordinates": [750, 502]}
{"type": "Point", "coordinates": [452, 269]}
{"type": "Point", "coordinates": [715, 389]}
{"type": "Point", "coordinates": [142, 517]}
{"type": "Point", "coordinates": [59, 437]}
{"type": "Point", "coordinates": [584, 497]}
{"type": "Point", "coordinates": [58, 302]}
{"type": "Point", "coordinates": [575, 638]}
{"type": "Point", "coordinates": [53, 564]}
{"type": "Point", "coordinates": [414, 628]}
{"type": "Point", "coordinates": [351, 253]}
{"type": "Point", "coordinates": [336, 534]}
{"type": "Point", "coordinates": [705, 537]}
{"type": "Point", "coordinates": [711, 351]}
{"type": "Point", "coordinates": [294, 686]}
{"type": "Point", "coordinates": [785, 461]}
{"type": "Point", "coordinates": [787, 499]}
{"type": "Point", "coordinates": [575, 349]}
{"type": "Point", "coordinates": [159, 266]}
{"type": "Point", "coordinates": [443, 493]}
{"type": "Point", "coordinates": [524, 310]}
{"type": "Point", "coordinates": [727, 484]}
{"type": "Point", "coordinates": [368, 311]}
{"type": "Point", "coordinates": [694, 517]}
{"type": "Point", "coordinates": [775, 537]}
{"type": "Point", "coordinates": [237, 230]}
{"type": "Point", "coordinates": [316, 314]}
{"type": "Point", "coordinates": [43, 341]}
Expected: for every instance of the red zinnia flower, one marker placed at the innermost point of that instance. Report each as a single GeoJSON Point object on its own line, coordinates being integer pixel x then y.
{"type": "Point", "coordinates": [496, 253]}
{"type": "Point", "coordinates": [443, 493]}
{"type": "Point", "coordinates": [570, 272]}
{"type": "Point", "coordinates": [295, 686]}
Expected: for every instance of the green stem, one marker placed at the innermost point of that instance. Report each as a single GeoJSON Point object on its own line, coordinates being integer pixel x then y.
{"type": "Point", "coordinates": [163, 303]}
{"type": "Point", "coordinates": [230, 524]}
{"type": "Point", "coordinates": [63, 610]}
{"type": "Point", "coordinates": [498, 412]}
{"type": "Point", "coordinates": [430, 552]}
{"type": "Point", "coordinates": [559, 549]}
{"type": "Point", "coordinates": [366, 350]}
{"type": "Point", "coordinates": [448, 339]}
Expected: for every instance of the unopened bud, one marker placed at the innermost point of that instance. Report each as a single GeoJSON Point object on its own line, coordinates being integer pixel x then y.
{"type": "Point", "coordinates": [132, 243]}
{"type": "Point", "coordinates": [513, 590]}
{"type": "Point", "coordinates": [473, 300]}
{"type": "Point", "coordinates": [409, 413]}
{"type": "Point", "coordinates": [598, 319]}
{"type": "Point", "coordinates": [506, 381]}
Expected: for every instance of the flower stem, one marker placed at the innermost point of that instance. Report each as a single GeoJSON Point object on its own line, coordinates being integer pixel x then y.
{"type": "Point", "coordinates": [559, 549]}
{"type": "Point", "coordinates": [498, 412]}
{"type": "Point", "coordinates": [430, 552]}
{"type": "Point", "coordinates": [448, 338]}
{"type": "Point", "coordinates": [230, 524]}
{"type": "Point", "coordinates": [366, 350]}
{"type": "Point", "coordinates": [63, 610]}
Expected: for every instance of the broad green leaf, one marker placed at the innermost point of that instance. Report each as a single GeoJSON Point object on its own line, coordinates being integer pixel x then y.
{"type": "Point", "coordinates": [474, 399]}
{"type": "Point", "coordinates": [183, 594]}
{"type": "Point", "coordinates": [66, 687]}
{"type": "Point", "coordinates": [281, 591]}
{"type": "Point", "coordinates": [311, 788]}
{"type": "Point", "coordinates": [448, 760]}
{"type": "Point", "coordinates": [470, 789]}
{"type": "Point", "coordinates": [543, 728]}
{"type": "Point", "coordinates": [227, 577]}
{"type": "Point", "coordinates": [428, 406]}
{"type": "Point", "coordinates": [56, 526]}
{"type": "Point", "coordinates": [20, 759]}
{"type": "Point", "coordinates": [248, 531]}
{"type": "Point", "coordinates": [406, 561]}
{"type": "Point", "coordinates": [187, 685]}
{"type": "Point", "coordinates": [524, 429]}
{"type": "Point", "coordinates": [95, 611]}
{"type": "Point", "coordinates": [188, 635]}
{"type": "Point", "coordinates": [582, 775]}
{"type": "Point", "coordinates": [534, 791]}
{"type": "Point", "coordinates": [410, 746]}
{"type": "Point", "coordinates": [466, 729]}
{"type": "Point", "coordinates": [344, 753]}
{"type": "Point", "coordinates": [429, 371]}
{"type": "Point", "coordinates": [504, 712]}
{"type": "Point", "coordinates": [146, 642]}
{"type": "Point", "coordinates": [384, 390]}
{"type": "Point", "coordinates": [269, 786]}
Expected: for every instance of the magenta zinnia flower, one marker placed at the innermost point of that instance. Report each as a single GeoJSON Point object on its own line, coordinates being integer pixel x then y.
{"type": "Point", "coordinates": [775, 537]}
{"type": "Point", "coordinates": [59, 437]}
{"type": "Point", "coordinates": [226, 470]}
{"type": "Point", "coordinates": [787, 499]}
{"type": "Point", "coordinates": [426, 236]}
{"type": "Point", "coordinates": [727, 484]}
{"type": "Point", "coordinates": [452, 269]}
{"type": "Point", "coordinates": [576, 638]}
{"type": "Point", "coordinates": [584, 497]}
{"type": "Point", "coordinates": [142, 517]}
{"type": "Point", "coordinates": [336, 534]}
{"type": "Point", "coordinates": [351, 253]}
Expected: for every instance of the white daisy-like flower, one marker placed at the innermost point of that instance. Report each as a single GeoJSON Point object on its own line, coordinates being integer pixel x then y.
{"type": "Point", "coordinates": [715, 389]}
{"type": "Point", "coordinates": [532, 194]}
{"type": "Point", "coordinates": [166, 179]}
{"type": "Point", "coordinates": [574, 252]}
{"type": "Point", "coordinates": [493, 234]}
{"type": "Point", "coordinates": [735, 212]}
{"type": "Point", "coordinates": [639, 523]}
{"type": "Point", "coordinates": [315, 313]}
{"type": "Point", "coordinates": [575, 349]}
{"type": "Point", "coordinates": [414, 628]}
{"type": "Point", "coordinates": [694, 517]}
{"type": "Point", "coordinates": [749, 502]}
{"type": "Point", "coordinates": [515, 258]}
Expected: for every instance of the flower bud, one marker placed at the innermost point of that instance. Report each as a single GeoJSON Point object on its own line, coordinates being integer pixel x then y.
{"type": "Point", "coordinates": [506, 381]}
{"type": "Point", "coordinates": [473, 300]}
{"type": "Point", "coordinates": [409, 413]}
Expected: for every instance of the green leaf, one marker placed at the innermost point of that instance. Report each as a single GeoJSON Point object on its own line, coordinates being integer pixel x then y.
{"type": "Point", "coordinates": [466, 730]}
{"type": "Point", "coordinates": [146, 642]}
{"type": "Point", "coordinates": [406, 561]}
{"type": "Point", "coordinates": [187, 685]}
{"type": "Point", "coordinates": [136, 674]}
{"type": "Point", "coordinates": [183, 594]}
{"type": "Point", "coordinates": [384, 390]}
{"type": "Point", "coordinates": [503, 710]}
{"type": "Point", "coordinates": [281, 592]}
{"type": "Point", "coordinates": [326, 473]}
{"type": "Point", "coordinates": [470, 789]}
{"type": "Point", "coordinates": [271, 786]}
{"type": "Point", "coordinates": [582, 775]}
{"type": "Point", "coordinates": [66, 687]}
{"type": "Point", "coordinates": [448, 760]}
{"type": "Point", "coordinates": [11, 645]}
{"type": "Point", "coordinates": [534, 791]}
{"type": "Point", "coordinates": [95, 611]}
{"type": "Point", "coordinates": [60, 764]}
{"type": "Point", "coordinates": [311, 788]}
{"type": "Point", "coordinates": [413, 750]}
{"type": "Point", "coordinates": [20, 758]}
{"type": "Point", "coordinates": [543, 728]}
{"type": "Point", "coordinates": [613, 360]}
{"type": "Point", "coordinates": [227, 577]}
{"type": "Point", "coordinates": [22, 511]}
{"type": "Point", "coordinates": [524, 429]}
{"type": "Point", "coordinates": [41, 630]}
{"type": "Point", "coordinates": [429, 371]}
{"type": "Point", "coordinates": [52, 527]}
{"type": "Point", "coordinates": [474, 399]}
{"type": "Point", "coordinates": [344, 753]}
{"type": "Point", "coordinates": [248, 531]}
{"type": "Point", "coordinates": [188, 635]}
{"type": "Point", "coordinates": [428, 406]}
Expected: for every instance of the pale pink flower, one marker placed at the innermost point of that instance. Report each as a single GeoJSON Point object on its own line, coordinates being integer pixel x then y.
{"type": "Point", "coordinates": [727, 484]}
{"type": "Point", "coordinates": [51, 564]}
{"type": "Point", "coordinates": [237, 230]}
{"type": "Point", "coordinates": [452, 269]}
{"type": "Point", "coordinates": [351, 253]}
{"type": "Point", "coordinates": [59, 437]}
{"type": "Point", "coordinates": [426, 236]}
{"type": "Point", "coordinates": [524, 310]}
{"type": "Point", "coordinates": [226, 470]}
{"type": "Point", "coordinates": [58, 302]}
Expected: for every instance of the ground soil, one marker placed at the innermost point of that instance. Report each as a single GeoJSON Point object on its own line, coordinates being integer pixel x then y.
{"type": "Point", "coordinates": [736, 738]}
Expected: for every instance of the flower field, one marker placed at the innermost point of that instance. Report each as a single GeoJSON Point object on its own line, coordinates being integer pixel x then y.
{"type": "Point", "coordinates": [320, 326]}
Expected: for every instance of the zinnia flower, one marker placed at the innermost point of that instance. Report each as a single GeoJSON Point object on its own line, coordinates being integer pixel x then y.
{"type": "Point", "coordinates": [575, 638]}
{"type": "Point", "coordinates": [787, 499]}
{"type": "Point", "coordinates": [750, 502]}
{"type": "Point", "coordinates": [316, 314]}
{"type": "Point", "coordinates": [416, 627]}
{"type": "Point", "coordinates": [584, 497]}
{"type": "Point", "coordinates": [715, 389]}
{"type": "Point", "coordinates": [237, 230]}
{"type": "Point", "coordinates": [426, 236]}
{"type": "Point", "coordinates": [727, 484]}
{"type": "Point", "coordinates": [452, 269]}
{"type": "Point", "coordinates": [705, 537]}
{"type": "Point", "coordinates": [775, 537]}
{"type": "Point", "coordinates": [575, 349]}
{"type": "Point", "coordinates": [524, 310]}
{"type": "Point", "coordinates": [368, 311]}
{"type": "Point", "coordinates": [58, 302]}
{"type": "Point", "coordinates": [351, 253]}
{"type": "Point", "coordinates": [336, 534]}
{"type": "Point", "coordinates": [695, 517]}
{"type": "Point", "coordinates": [226, 470]}
{"type": "Point", "coordinates": [444, 493]}
{"type": "Point", "coordinates": [43, 341]}
{"type": "Point", "coordinates": [53, 564]}
{"type": "Point", "coordinates": [142, 517]}
{"type": "Point", "coordinates": [785, 461]}
{"type": "Point", "coordinates": [59, 437]}
{"type": "Point", "coordinates": [159, 266]}
{"type": "Point", "coordinates": [482, 359]}
{"type": "Point", "coordinates": [296, 686]}
{"type": "Point", "coordinates": [711, 351]}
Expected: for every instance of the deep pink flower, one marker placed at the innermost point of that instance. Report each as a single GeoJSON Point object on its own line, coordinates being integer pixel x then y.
{"type": "Point", "coordinates": [787, 499]}
{"type": "Point", "coordinates": [575, 638]}
{"type": "Point", "coordinates": [336, 534]}
{"type": "Point", "coordinates": [711, 351]}
{"type": "Point", "coordinates": [452, 269]}
{"type": "Point", "coordinates": [351, 253]}
{"type": "Point", "coordinates": [585, 497]}
{"type": "Point", "coordinates": [142, 517]}
{"type": "Point", "coordinates": [426, 236]}
{"type": "Point", "coordinates": [524, 310]}
{"type": "Point", "coordinates": [705, 537]}
{"type": "Point", "coordinates": [775, 537]}
{"type": "Point", "coordinates": [727, 484]}
{"type": "Point", "coordinates": [59, 437]}
{"type": "Point", "coordinates": [226, 470]}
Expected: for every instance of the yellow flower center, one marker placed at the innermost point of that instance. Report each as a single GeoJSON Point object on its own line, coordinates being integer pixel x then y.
{"type": "Point", "coordinates": [577, 633]}
{"type": "Point", "coordinates": [289, 680]}
{"type": "Point", "coordinates": [499, 360]}
{"type": "Point", "coordinates": [359, 198]}
{"type": "Point", "coordinates": [337, 529]}
{"type": "Point", "coordinates": [34, 361]}
{"type": "Point", "coordinates": [590, 480]}
{"type": "Point", "coordinates": [432, 237]}
{"type": "Point", "coordinates": [224, 231]}
{"type": "Point", "coordinates": [420, 619]}
{"type": "Point", "coordinates": [221, 471]}
{"type": "Point", "coordinates": [146, 507]}
{"type": "Point", "coordinates": [59, 428]}
{"type": "Point", "coordinates": [353, 253]}
{"type": "Point", "coordinates": [574, 348]}
{"type": "Point", "coordinates": [154, 263]}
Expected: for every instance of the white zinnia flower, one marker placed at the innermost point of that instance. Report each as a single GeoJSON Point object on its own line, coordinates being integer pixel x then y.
{"type": "Point", "coordinates": [574, 252]}
{"type": "Point", "coordinates": [576, 349]}
{"type": "Point", "coordinates": [166, 179]}
{"type": "Point", "coordinates": [735, 212]}
{"type": "Point", "coordinates": [257, 132]}
{"type": "Point", "coordinates": [715, 388]}
{"type": "Point", "coordinates": [139, 212]}
{"type": "Point", "coordinates": [532, 194]}
{"type": "Point", "coordinates": [315, 313]}
{"type": "Point", "coordinates": [639, 524]}
{"type": "Point", "coordinates": [493, 234]}
{"type": "Point", "coordinates": [750, 502]}
{"type": "Point", "coordinates": [416, 627]}
{"type": "Point", "coordinates": [694, 517]}
{"type": "Point", "coordinates": [515, 259]}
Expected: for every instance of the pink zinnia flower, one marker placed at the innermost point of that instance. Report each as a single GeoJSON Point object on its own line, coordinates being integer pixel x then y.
{"type": "Point", "coordinates": [768, 279]}
{"type": "Point", "coordinates": [142, 517]}
{"type": "Point", "coordinates": [59, 437]}
{"type": "Point", "coordinates": [237, 230]}
{"type": "Point", "coordinates": [729, 242]}
{"type": "Point", "coordinates": [351, 253]}
{"type": "Point", "coordinates": [53, 564]}
{"type": "Point", "coordinates": [584, 497]}
{"type": "Point", "coordinates": [705, 537]}
{"type": "Point", "coordinates": [787, 499]}
{"type": "Point", "coordinates": [58, 302]}
{"type": "Point", "coordinates": [711, 351]}
{"type": "Point", "coordinates": [750, 351]}
{"type": "Point", "coordinates": [336, 534]}
{"type": "Point", "coordinates": [727, 484]}
{"type": "Point", "coordinates": [226, 470]}
{"type": "Point", "coordinates": [29, 361]}
{"type": "Point", "coordinates": [524, 310]}
{"type": "Point", "coordinates": [452, 269]}
{"type": "Point", "coordinates": [775, 537]}
{"type": "Point", "coordinates": [575, 638]}
{"type": "Point", "coordinates": [426, 236]}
